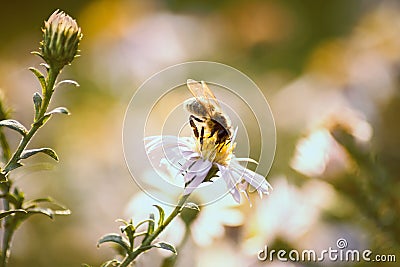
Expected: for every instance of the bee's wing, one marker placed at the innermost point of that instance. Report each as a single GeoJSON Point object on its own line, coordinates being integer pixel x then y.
{"type": "Point", "coordinates": [203, 94]}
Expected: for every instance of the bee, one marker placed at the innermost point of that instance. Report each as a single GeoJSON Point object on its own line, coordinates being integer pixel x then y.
{"type": "Point", "coordinates": [205, 109]}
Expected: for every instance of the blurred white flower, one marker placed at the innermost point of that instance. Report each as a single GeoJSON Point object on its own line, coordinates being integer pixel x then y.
{"type": "Point", "coordinates": [211, 220]}
{"type": "Point", "coordinates": [319, 151]}
{"type": "Point", "coordinates": [289, 213]}
{"type": "Point", "coordinates": [220, 254]}
{"type": "Point", "coordinates": [315, 152]}
{"type": "Point", "coordinates": [199, 162]}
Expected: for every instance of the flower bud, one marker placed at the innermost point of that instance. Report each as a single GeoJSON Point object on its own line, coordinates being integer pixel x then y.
{"type": "Point", "coordinates": [61, 36]}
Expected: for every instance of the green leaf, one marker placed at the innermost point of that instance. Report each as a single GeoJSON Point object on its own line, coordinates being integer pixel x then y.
{"type": "Point", "coordinates": [166, 246]}
{"type": "Point", "coordinates": [31, 206]}
{"type": "Point", "coordinates": [59, 110]}
{"type": "Point", "coordinates": [12, 166]}
{"type": "Point", "coordinates": [62, 212]}
{"type": "Point", "coordinates": [11, 199]}
{"type": "Point", "coordinates": [34, 202]}
{"type": "Point", "coordinates": [19, 195]}
{"type": "Point", "coordinates": [115, 238]}
{"type": "Point", "coordinates": [14, 125]}
{"type": "Point", "coordinates": [45, 65]}
{"type": "Point", "coordinates": [9, 212]}
{"type": "Point", "coordinates": [40, 77]}
{"type": "Point", "coordinates": [30, 152]}
{"type": "Point", "coordinates": [150, 228]}
{"type": "Point", "coordinates": [161, 213]}
{"type": "Point", "coordinates": [37, 54]}
{"type": "Point", "coordinates": [47, 212]}
{"type": "Point", "coordinates": [44, 211]}
{"type": "Point", "coordinates": [129, 230]}
{"type": "Point", "coordinates": [192, 206]}
{"type": "Point", "coordinates": [37, 102]}
{"type": "Point", "coordinates": [71, 82]}
{"type": "Point", "coordinates": [145, 221]}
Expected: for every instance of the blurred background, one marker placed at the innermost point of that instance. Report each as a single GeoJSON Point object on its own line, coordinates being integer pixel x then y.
{"type": "Point", "coordinates": [329, 69]}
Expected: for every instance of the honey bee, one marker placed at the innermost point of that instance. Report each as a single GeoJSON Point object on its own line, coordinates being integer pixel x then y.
{"type": "Point", "coordinates": [205, 109]}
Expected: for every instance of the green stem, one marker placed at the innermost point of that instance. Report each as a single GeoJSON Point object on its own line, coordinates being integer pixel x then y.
{"type": "Point", "coordinates": [5, 186]}
{"type": "Point", "coordinates": [47, 94]}
{"type": "Point", "coordinates": [8, 232]}
{"type": "Point", "coordinates": [10, 222]}
{"type": "Point", "coordinates": [5, 147]}
{"type": "Point", "coordinates": [147, 242]}
{"type": "Point", "coordinates": [9, 229]}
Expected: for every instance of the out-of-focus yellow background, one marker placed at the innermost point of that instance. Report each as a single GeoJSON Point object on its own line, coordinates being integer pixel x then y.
{"type": "Point", "coordinates": [329, 69]}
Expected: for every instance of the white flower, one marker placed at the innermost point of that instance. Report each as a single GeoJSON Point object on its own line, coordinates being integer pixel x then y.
{"type": "Point", "coordinates": [200, 163]}
{"type": "Point", "coordinates": [290, 213]}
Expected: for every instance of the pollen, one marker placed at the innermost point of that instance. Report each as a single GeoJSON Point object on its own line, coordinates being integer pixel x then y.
{"type": "Point", "coordinates": [220, 153]}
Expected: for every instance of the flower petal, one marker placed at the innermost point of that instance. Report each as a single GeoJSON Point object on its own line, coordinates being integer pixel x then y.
{"type": "Point", "coordinates": [242, 186]}
{"type": "Point", "coordinates": [168, 141]}
{"type": "Point", "coordinates": [246, 160]}
{"type": "Point", "coordinates": [170, 150]}
{"type": "Point", "coordinates": [234, 135]}
{"type": "Point", "coordinates": [230, 182]}
{"type": "Point", "coordinates": [196, 175]}
{"type": "Point", "coordinates": [254, 179]}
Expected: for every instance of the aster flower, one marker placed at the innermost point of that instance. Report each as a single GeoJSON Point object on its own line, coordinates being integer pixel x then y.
{"type": "Point", "coordinates": [201, 162]}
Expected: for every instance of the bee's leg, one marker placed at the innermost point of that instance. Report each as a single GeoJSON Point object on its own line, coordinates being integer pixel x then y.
{"type": "Point", "coordinates": [195, 118]}
{"type": "Point", "coordinates": [201, 137]}
{"type": "Point", "coordinates": [194, 127]}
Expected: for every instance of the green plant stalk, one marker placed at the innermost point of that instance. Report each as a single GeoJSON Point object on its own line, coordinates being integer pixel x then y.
{"type": "Point", "coordinates": [10, 222]}
{"type": "Point", "coordinates": [146, 245]}
{"type": "Point", "coordinates": [5, 147]}
{"type": "Point", "coordinates": [10, 226]}
{"type": "Point", "coordinates": [5, 188]}
{"type": "Point", "coordinates": [47, 94]}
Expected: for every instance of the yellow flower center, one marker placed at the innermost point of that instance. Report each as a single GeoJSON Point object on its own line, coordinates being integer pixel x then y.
{"type": "Point", "coordinates": [217, 153]}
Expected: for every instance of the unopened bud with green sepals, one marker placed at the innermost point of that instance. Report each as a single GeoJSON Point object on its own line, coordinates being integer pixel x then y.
{"type": "Point", "coordinates": [61, 37]}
